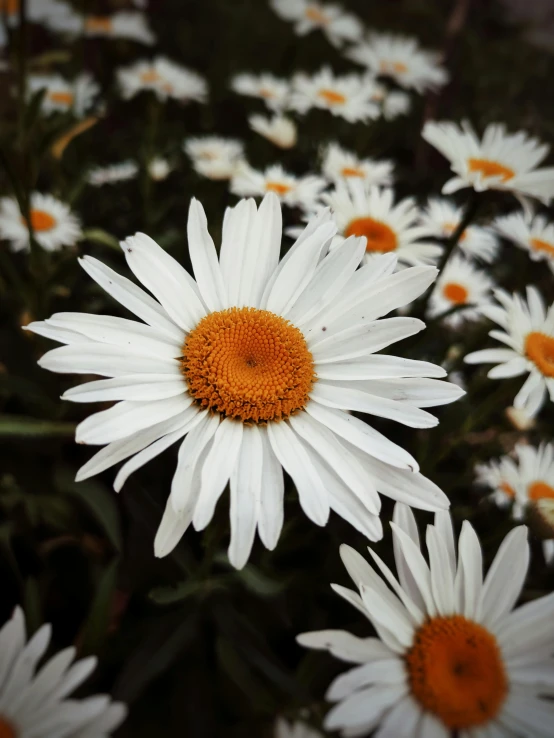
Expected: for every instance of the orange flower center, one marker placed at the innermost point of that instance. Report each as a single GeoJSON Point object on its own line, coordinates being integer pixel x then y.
{"type": "Point", "coordinates": [539, 245]}
{"type": "Point", "coordinates": [266, 93]}
{"type": "Point", "coordinates": [98, 23]}
{"type": "Point", "coordinates": [379, 236]}
{"type": "Point", "coordinates": [9, 7]}
{"type": "Point", "coordinates": [316, 15]}
{"type": "Point", "coordinates": [63, 98]}
{"type": "Point", "coordinates": [352, 172]}
{"type": "Point", "coordinates": [332, 97]}
{"type": "Point", "coordinates": [449, 229]}
{"type": "Point", "coordinates": [455, 293]}
{"type": "Point", "coordinates": [490, 168]}
{"type": "Point", "coordinates": [6, 729]}
{"type": "Point", "coordinates": [278, 187]}
{"type": "Point", "coordinates": [248, 364]}
{"type": "Point", "coordinates": [149, 76]}
{"type": "Point", "coordinates": [390, 67]}
{"type": "Point", "coordinates": [508, 489]}
{"type": "Point", "coordinates": [540, 491]}
{"type": "Point", "coordinates": [41, 220]}
{"type": "Point", "coordinates": [456, 671]}
{"type": "Point", "coordinates": [540, 349]}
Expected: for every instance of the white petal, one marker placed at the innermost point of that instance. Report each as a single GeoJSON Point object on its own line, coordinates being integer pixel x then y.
{"type": "Point", "coordinates": [366, 706]}
{"type": "Point", "coordinates": [361, 339]}
{"type": "Point", "coordinates": [469, 577]}
{"type": "Point", "coordinates": [137, 387]}
{"type": "Point", "coordinates": [170, 531]}
{"type": "Point", "coordinates": [204, 260]}
{"type": "Point", "coordinates": [387, 671]}
{"type": "Point", "coordinates": [401, 721]}
{"type": "Point", "coordinates": [512, 368]}
{"type": "Point", "coordinates": [379, 366]}
{"type": "Point", "coordinates": [236, 232]}
{"type": "Point", "coordinates": [105, 360]}
{"type": "Point", "coordinates": [405, 520]}
{"type": "Point", "coordinates": [345, 646]}
{"type": "Point", "coordinates": [491, 356]}
{"type": "Point", "coordinates": [418, 567]}
{"type": "Point", "coordinates": [270, 503]}
{"type": "Point", "coordinates": [442, 574]}
{"type": "Point", "coordinates": [430, 727]}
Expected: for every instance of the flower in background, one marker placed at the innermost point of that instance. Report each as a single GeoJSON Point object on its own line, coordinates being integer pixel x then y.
{"type": "Point", "coordinates": [62, 96]}
{"type": "Point", "coordinates": [339, 164]}
{"type": "Point", "coordinates": [291, 190]}
{"type": "Point", "coordinates": [112, 173]}
{"type": "Point", "coordinates": [214, 157]}
{"type": "Point", "coordinates": [349, 96]}
{"type": "Point", "coordinates": [387, 227]}
{"type": "Point", "coordinates": [504, 478]}
{"type": "Point", "coordinates": [307, 16]}
{"type": "Point", "coordinates": [501, 161]}
{"type": "Point", "coordinates": [272, 90]}
{"type": "Point", "coordinates": [284, 729]}
{"type": "Point", "coordinates": [280, 130]}
{"type": "Point", "coordinates": [129, 25]}
{"type": "Point", "coordinates": [164, 78]}
{"type": "Point", "coordinates": [402, 59]}
{"type": "Point", "coordinates": [452, 654]}
{"type": "Point", "coordinates": [442, 218]}
{"type": "Point", "coordinates": [535, 235]}
{"type": "Point", "coordinates": [528, 333]}
{"type": "Point", "coordinates": [35, 702]}
{"type": "Point", "coordinates": [395, 103]}
{"type": "Point", "coordinates": [255, 363]}
{"type": "Point", "coordinates": [520, 419]}
{"type": "Point", "coordinates": [460, 285]}
{"type": "Point", "coordinates": [159, 168]}
{"type": "Point", "coordinates": [37, 11]}
{"type": "Point", "coordinates": [53, 223]}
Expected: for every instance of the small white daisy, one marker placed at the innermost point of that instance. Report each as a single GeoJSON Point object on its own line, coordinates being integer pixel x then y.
{"type": "Point", "coordinates": [35, 702]}
{"type": "Point", "coordinates": [396, 103]}
{"type": "Point", "coordinates": [112, 173]}
{"type": "Point", "coordinates": [500, 161]}
{"type": "Point", "coordinates": [159, 168]}
{"type": "Point", "coordinates": [255, 364]}
{"type": "Point", "coordinates": [53, 223]}
{"type": "Point", "coordinates": [386, 226]}
{"type": "Point", "coordinates": [535, 235]}
{"type": "Point", "coordinates": [272, 90]}
{"type": "Point", "coordinates": [214, 157]}
{"type": "Point", "coordinates": [528, 333]}
{"type": "Point", "coordinates": [291, 190]}
{"type": "Point", "coordinates": [402, 59]}
{"type": "Point", "coordinates": [460, 285]}
{"type": "Point", "coordinates": [284, 729]}
{"type": "Point", "coordinates": [164, 78]}
{"type": "Point", "coordinates": [37, 11]}
{"type": "Point", "coordinates": [61, 95]}
{"type": "Point", "coordinates": [350, 96]}
{"type": "Point", "coordinates": [452, 654]}
{"type": "Point", "coordinates": [126, 24]}
{"type": "Point", "coordinates": [339, 164]}
{"type": "Point", "coordinates": [307, 16]}
{"type": "Point", "coordinates": [520, 419]}
{"type": "Point", "coordinates": [280, 130]}
{"type": "Point", "coordinates": [441, 217]}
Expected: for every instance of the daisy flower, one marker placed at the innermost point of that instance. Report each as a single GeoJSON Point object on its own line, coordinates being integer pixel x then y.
{"type": "Point", "coordinates": [214, 157]}
{"type": "Point", "coordinates": [272, 90]}
{"type": "Point", "coordinates": [62, 96]}
{"type": "Point", "coordinates": [35, 702]}
{"type": "Point", "coordinates": [350, 96]}
{"type": "Point", "coordinates": [452, 654]}
{"type": "Point", "coordinates": [254, 363]}
{"type": "Point", "coordinates": [339, 164]}
{"type": "Point", "coordinates": [130, 25]}
{"type": "Point", "coordinates": [501, 161]}
{"type": "Point", "coordinates": [164, 78]}
{"type": "Point", "coordinates": [280, 130]}
{"type": "Point", "coordinates": [283, 729]}
{"type": "Point", "coordinates": [386, 227]}
{"type": "Point", "coordinates": [528, 333]}
{"type": "Point", "coordinates": [503, 477]}
{"type": "Point", "coordinates": [395, 103]}
{"type": "Point", "coordinates": [291, 190]}
{"type": "Point", "coordinates": [442, 218]}
{"type": "Point", "coordinates": [53, 223]}
{"type": "Point", "coordinates": [535, 235]}
{"type": "Point", "coordinates": [460, 285]}
{"type": "Point", "coordinates": [402, 59]}
{"type": "Point", "coordinates": [159, 168]}
{"type": "Point", "coordinates": [307, 16]}
{"type": "Point", "coordinates": [37, 11]}
{"type": "Point", "coordinates": [112, 173]}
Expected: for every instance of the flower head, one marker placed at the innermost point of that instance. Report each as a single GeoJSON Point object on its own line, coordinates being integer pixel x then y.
{"type": "Point", "coordinates": [351, 96]}
{"type": "Point", "coordinates": [112, 173]}
{"type": "Point", "coordinates": [339, 164]}
{"type": "Point", "coordinates": [291, 190]}
{"type": "Point", "coordinates": [460, 285]}
{"type": "Point", "coordinates": [159, 168]}
{"type": "Point", "coordinates": [272, 90]}
{"type": "Point", "coordinates": [214, 157]}
{"type": "Point", "coordinates": [308, 15]}
{"type": "Point", "coordinates": [164, 78]}
{"type": "Point", "coordinates": [53, 223]}
{"type": "Point", "coordinates": [280, 130]}
{"type": "Point", "coordinates": [126, 24]}
{"type": "Point", "coordinates": [535, 235]}
{"type": "Point", "coordinates": [62, 96]}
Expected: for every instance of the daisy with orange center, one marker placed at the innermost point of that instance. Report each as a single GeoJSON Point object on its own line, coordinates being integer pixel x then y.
{"type": "Point", "coordinates": [338, 164]}
{"type": "Point", "coordinates": [272, 90]}
{"type": "Point", "coordinates": [214, 157]}
{"type": "Point", "coordinates": [460, 285]}
{"type": "Point", "coordinates": [61, 95]}
{"type": "Point", "coordinates": [52, 222]}
{"type": "Point", "coordinates": [528, 337]}
{"type": "Point", "coordinates": [125, 24]}
{"type": "Point", "coordinates": [535, 234]}
{"type": "Point", "coordinates": [281, 131]}
{"type": "Point", "coordinates": [307, 15]}
{"type": "Point", "coordinates": [351, 96]}
{"type": "Point", "coordinates": [452, 653]}
{"type": "Point", "coordinates": [164, 78]}
{"type": "Point", "coordinates": [291, 190]}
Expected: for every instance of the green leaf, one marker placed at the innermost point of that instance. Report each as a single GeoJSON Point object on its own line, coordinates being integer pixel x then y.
{"type": "Point", "coordinates": [18, 426]}
{"type": "Point", "coordinates": [95, 630]}
{"type": "Point", "coordinates": [97, 235]}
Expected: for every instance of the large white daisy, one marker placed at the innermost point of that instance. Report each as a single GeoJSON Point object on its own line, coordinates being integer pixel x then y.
{"type": "Point", "coordinates": [463, 286]}
{"type": "Point", "coordinates": [339, 164]}
{"type": "Point", "coordinates": [528, 334]}
{"type": "Point", "coordinates": [53, 223]}
{"type": "Point", "coordinates": [332, 20]}
{"type": "Point", "coordinates": [535, 235]}
{"type": "Point", "coordinates": [35, 702]}
{"type": "Point", "coordinates": [291, 190]}
{"type": "Point", "coordinates": [164, 78]}
{"type": "Point", "coordinates": [214, 157]}
{"type": "Point", "coordinates": [500, 161]}
{"type": "Point", "coordinates": [255, 363]}
{"type": "Point", "coordinates": [452, 655]}
{"type": "Point", "coordinates": [61, 95]}
{"type": "Point", "coordinates": [272, 90]}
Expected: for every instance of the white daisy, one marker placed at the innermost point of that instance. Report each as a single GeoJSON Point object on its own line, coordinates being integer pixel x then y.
{"type": "Point", "coordinates": [528, 333]}
{"type": "Point", "coordinates": [395, 103]}
{"type": "Point", "coordinates": [350, 96]}
{"type": "Point", "coordinates": [61, 95]}
{"type": "Point", "coordinates": [53, 223]}
{"type": "Point", "coordinates": [126, 24]}
{"type": "Point", "coordinates": [402, 59]}
{"type": "Point", "coordinates": [159, 168]}
{"type": "Point", "coordinates": [501, 161]}
{"type": "Point", "coordinates": [255, 363]}
{"type": "Point", "coordinates": [503, 477]}
{"type": "Point", "coordinates": [340, 164]}
{"type": "Point", "coordinates": [283, 729]}
{"type": "Point", "coordinates": [535, 235]}
{"type": "Point", "coordinates": [307, 16]}
{"type": "Point", "coordinates": [452, 654]}
{"type": "Point", "coordinates": [112, 173]}
{"type": "Point", "coordinates": [37, 11]}
{"type": "Point", "coordinates": [164, 78]}
{"type": "Point", "coordinates": [214, 157]}
{"type": "Point", "coordinates": [291, 190]}
{"type": "Point", "coordinates": [441, 217]}
{"type": "Point", "coordinates": [387, 227]}
{"type": "Point", "coordinates": [272, 90]}
{"type": "Point", "coordinates": [35, 702]}
{"type": "Point", "coordinates": [460, 285]}
{"type": "Point", "coordinates": [280, 130]}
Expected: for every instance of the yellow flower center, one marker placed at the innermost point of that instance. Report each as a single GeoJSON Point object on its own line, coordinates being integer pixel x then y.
{"type": "Point", "coordinates": [314, 14]}
{"type": "Point", "coordinates": [455, 293]}
{"type": "Point", "coordinates": [40, 221]}
{"type": "Point", "coordinates": [352, 172]}
{"type": "Point", "coordinates": [6, 729]}
{"type": "Point", "coordinates": [392, 67]}
{"type": "Point", "coordinates": [149, 76]}
{"type": "Point", "coordinates": [540, 491]}
{"type": "Point", "coordinates": [489, 168]}
{"type": "Point", "coordinates": [280, 188]}
{"type": "Point", "coordinates": [98, 23]}
{"type": "Point", "coordinates": [266, 93]}
{"type": "Point", "coordinates": [248, 364]}
{"type": "Point", "coordinates": [62, 98]}
{"type": "Point", "coordinates": [537, 244]}
{"type": "Point", "coordinates": [380, 237]}
{"type": "Point", "coordinates": [449, 229]}
{"type": "Point", "coordinates": [332, 97]}
{"type": "Point", "coordinates": [456, 671]}
{"type": "Point", "coordinates": [540, 349]}
{"type": "Point", "coordinates": [507, 489]}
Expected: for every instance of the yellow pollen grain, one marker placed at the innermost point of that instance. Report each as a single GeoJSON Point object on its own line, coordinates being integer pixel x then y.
{"type": "Point", "coordinates": [455, 293]}
{"type": "Point", "coordinates": [380, 237]}
{"type": "Point", "coordinates": [537, 244]}
{"type": "Point", "coordinates": [248, 364]}
{"type": "Point", "coordinates": [489, 168]}
{"type": "Point", "coordinates": [540, 349]}
{"type": "Point", "coordinates": [331, 97]}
